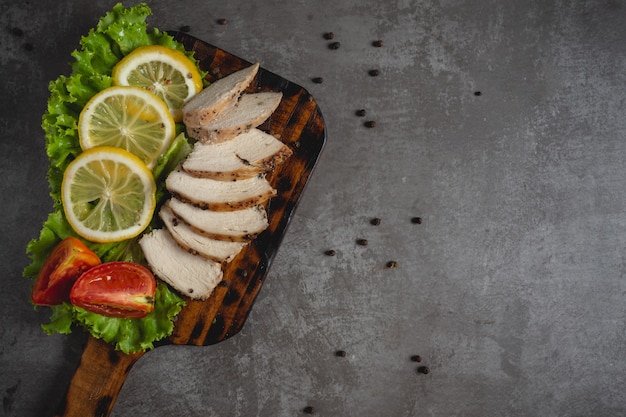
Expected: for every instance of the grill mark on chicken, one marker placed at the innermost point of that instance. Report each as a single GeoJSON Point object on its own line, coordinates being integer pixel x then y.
{"type": "Point", "coordinates": [243, 160]}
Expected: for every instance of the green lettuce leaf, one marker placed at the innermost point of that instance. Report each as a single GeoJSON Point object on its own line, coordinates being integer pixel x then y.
{"type": "Point", "coordinates": [133, 335]}
{"type": "Point", "coordinates": [61, 319]}
{"type": "Point", "coordinates": [117, 33]}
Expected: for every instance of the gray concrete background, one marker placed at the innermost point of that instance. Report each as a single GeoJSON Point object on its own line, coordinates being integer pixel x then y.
{"type": "Point", "coordinates": [512, 290]}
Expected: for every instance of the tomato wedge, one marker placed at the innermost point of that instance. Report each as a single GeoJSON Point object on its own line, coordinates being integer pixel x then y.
{"type": "Point", "coordinates": [67, 261]}
{"type": "Point", "coordinates": [115, 289]}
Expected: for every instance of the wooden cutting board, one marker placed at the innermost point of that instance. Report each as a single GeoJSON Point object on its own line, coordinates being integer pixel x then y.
{"type": "Point", "coordinates": [297, 122]}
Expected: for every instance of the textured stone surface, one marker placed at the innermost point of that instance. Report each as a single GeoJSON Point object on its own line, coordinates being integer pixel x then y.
{"type": "Point", "coordinates": [512, 289]}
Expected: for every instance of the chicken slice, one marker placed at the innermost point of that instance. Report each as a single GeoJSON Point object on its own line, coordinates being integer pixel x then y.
{"type": "Point", "coordinates": [250, 111]}
{"type": "Point", "coordinates": [192, 275]}
{"type": "Point", "coordinates": [217, 195]}
{"type": "Point", "coordinates": [220, 94]}
{"type": "Point", "coordinates": [193, 242]}
{"type": "Point", "coordinates": [238, 226]}
{"type": "Point", "coordinates": [248, 154]}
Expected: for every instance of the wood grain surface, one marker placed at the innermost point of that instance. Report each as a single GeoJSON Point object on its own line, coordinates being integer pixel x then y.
{"type": "Point", "coordinates": [297, 122]}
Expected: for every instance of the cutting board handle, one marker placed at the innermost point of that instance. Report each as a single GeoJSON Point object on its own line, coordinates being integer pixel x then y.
{"type": "Point", "coordinates": [97, 381]}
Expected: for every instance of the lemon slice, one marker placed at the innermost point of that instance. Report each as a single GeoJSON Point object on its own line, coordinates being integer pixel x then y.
{"type": "Point", "coordinates": [108, 195]}
{"type": "Point", "coordinates": [130, 118]}
{"type": "Point", "coordinates": [166, 72]}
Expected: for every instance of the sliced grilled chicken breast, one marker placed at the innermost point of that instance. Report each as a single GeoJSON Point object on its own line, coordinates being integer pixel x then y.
{"type": "Point", "coordinates": [219, 195]}
{"type": "Point", "coordinates": [248, 112]}
{"type": "Point", "coordinates": [212, 100]}
{"type": "Point", "coordinates": [193, 242]}
{"type": "Point", "coordinates": [245, 156]}
{"type": "Point", "coordinates": [238, 226]}
{"type": "Point", "coordinates": [192, 275]}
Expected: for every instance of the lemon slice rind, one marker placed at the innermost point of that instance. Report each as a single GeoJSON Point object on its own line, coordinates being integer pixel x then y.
{"type": "Point", "coordinates": [108, 195]}
{"type": "Point", "coordinates": [166, 72]}
{"type": "Point", "coordinates": [130, 118]}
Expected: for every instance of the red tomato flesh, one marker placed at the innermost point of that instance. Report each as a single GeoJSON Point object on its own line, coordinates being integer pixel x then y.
{"type": "Point", "coordinates": [67, 261]}
{"type": "Point", "coordinates": [115, 289]}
